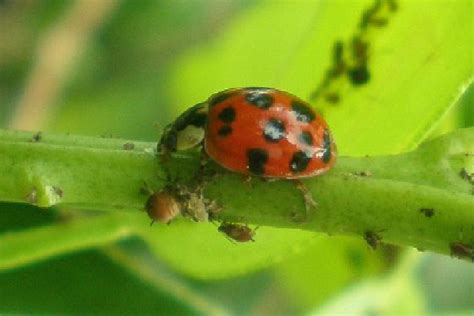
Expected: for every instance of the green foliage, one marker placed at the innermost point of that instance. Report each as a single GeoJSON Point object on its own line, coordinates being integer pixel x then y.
{"type": "Point", "coordinates": [409, 59]}
{"type": "Point", "coordinates": [172, 55]}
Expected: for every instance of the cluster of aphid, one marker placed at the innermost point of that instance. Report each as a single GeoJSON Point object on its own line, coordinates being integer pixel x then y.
{"type": "Point", "coordinates": [351, 59]}
{"type": "Point", "coordinates": [165, 205]}
{"type": "Point", "coordinates": [260, 132]}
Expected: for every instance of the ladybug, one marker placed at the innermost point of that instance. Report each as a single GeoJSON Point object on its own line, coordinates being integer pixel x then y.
{"type": "Point", "coordinates": [237, 232]}
{"type": "Point", "coordinates": [256, 131]}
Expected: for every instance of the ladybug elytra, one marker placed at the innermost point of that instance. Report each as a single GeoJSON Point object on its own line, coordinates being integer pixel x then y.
{"type": "Point", "coordinates": [256, 131]}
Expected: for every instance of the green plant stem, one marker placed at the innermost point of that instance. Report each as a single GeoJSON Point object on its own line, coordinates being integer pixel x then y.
{"type": "Point", "coordinates": [420, 199]}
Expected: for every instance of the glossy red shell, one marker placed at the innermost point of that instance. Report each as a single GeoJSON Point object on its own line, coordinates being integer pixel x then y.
{"type": "Point", "coordinates": [269, 133]}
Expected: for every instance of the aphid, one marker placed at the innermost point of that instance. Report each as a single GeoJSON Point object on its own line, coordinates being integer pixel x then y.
{"type": "Point", "coordinates": [36, 138]}
{"type": "Point", "coordinates": [256, 131]}
{"type": "Point", "coordinates": [359, 75]}
{"type": "Point", "coordinates": [469, 176]}
{"type": "Point", "coordinates": [58, 191]}
{"type": "Point", "coordinates": [237, 232]}
{"type": "Point", "coordinates": [162, 206]}
{"type": "Point", "coordinates": [461, 250]}
{"type": "Point", "coordinates": [194, 205]}
{"type": "Point", "coordinates": [372, 238]}
{"type": "Point", "coordinates": [174, 199]}
{"type": "Point", "coordinates": [428, 212]}
{"type": "Point", "coordinates": [363, 173]}
{"type": "Point", "coordinates": [128, 146]}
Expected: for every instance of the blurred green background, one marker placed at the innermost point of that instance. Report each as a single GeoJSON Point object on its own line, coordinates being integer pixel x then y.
{"type": "Point", "coordinates": [127, 68]}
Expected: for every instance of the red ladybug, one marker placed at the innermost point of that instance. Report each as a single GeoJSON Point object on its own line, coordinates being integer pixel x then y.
{"type": "Point", "coordinates": [257, 131]}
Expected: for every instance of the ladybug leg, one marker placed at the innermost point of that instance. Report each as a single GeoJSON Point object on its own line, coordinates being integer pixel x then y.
{"type": "Point", "coordinates": [247, 179]}
{"type": "Point", "coordinates": [264, 179]}
{"type": "Point", "coordinates": [270, 179]}
{"type": "Point", "coordinates": [308, 198]}
{"type": "Point", "coordinates": [203, 160]}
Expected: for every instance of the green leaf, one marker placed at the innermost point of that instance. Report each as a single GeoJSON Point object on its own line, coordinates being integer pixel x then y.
{"type": "Point", "coordinates": [324, 267]}
{"type": "Point", "coordinates": [413, 83]}
{"type": "Point", "coordinates": [88, 283]}
{"type": "Point", "coordinates": [396, 294]}
{"type": "Point", "coordinates": [413, 79]}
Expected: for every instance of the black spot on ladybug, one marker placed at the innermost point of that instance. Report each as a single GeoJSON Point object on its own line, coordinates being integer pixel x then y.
{"type": "Point", "coordinates": [428, 212]}
{"type": "Point", "coordinates": [359, 75]}
{"type": "Point", "coordinates": [302, 112]}
{"type": "Point", "coordinates": [219, 98]}
{"type": "Point", "coordinates": [257, 158]}
{"type": "Point", "coordinates": [327, 146]}
{"type": "Point", "coordinates": [227, 115]}
{"type": "Point", "coordinates": [225, 130]}
{"type": "Point", "coordinates": [305, 138]}
{"type": "Point", "coordinates": [274, 130]}
{"type": "Point", "coordinates": [299, 162]}
{"type": "Point", "coordinates": [260, 100]}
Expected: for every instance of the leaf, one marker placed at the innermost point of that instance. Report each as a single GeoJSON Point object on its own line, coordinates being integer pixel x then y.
{"type": "Point", "coordinates": [201, 251]}
{"type": "Point", "coordinates": [326, 266]}
{"type": "Point", "coordinates": [396, 294]}
{"type": "Point", "coordinates": [413, 79]}
{"type": "Point", "coordinates": [299, 37]}
{"type": "Point", "coordinates": [85, 283]}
